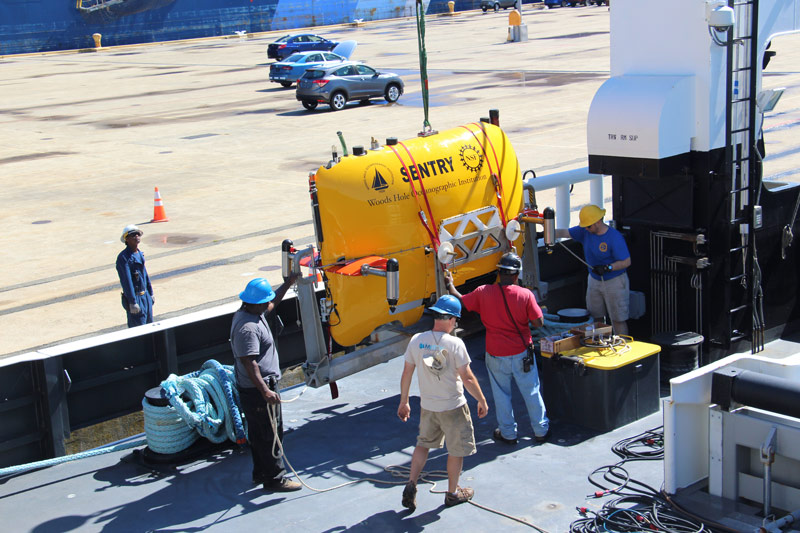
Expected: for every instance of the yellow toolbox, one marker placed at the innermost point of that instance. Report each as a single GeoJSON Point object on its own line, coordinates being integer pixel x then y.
{"type": "Point", "coordinates": [601, 388]}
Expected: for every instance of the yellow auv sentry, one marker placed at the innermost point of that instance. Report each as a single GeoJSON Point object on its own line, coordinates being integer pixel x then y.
{"type": "Point", "coordinates": [367, 207]}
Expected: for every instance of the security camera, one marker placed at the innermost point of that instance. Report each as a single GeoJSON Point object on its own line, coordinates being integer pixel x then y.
{"type": "Point", "coordinates": [721, 18]}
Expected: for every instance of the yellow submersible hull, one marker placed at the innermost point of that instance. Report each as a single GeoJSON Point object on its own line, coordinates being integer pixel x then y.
{"type": "Point", "coordinates": [403, 201]}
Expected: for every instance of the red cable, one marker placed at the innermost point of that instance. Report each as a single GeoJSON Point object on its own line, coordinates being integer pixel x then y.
{"type": "Point", "coordinates": [499, 185]}
{"type": "Point", "coordinates": [494, 152]}
{"type": "Point", "coordinates": [434, 239]}
{"type": "Point", "coordinates": [422, 188]}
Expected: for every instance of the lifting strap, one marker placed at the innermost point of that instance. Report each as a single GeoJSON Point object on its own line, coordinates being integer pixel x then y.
{"type": "Point", "coordinates": [423, 65]}
{"type": "Point", "coordinates": [430, 227]}
{"type": "Point", "coordinates": [496, 177]}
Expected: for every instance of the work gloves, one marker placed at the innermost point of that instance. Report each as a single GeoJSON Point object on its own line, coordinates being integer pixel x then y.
{"type": "Point", "coordinates": [601, 269]}
{"type": "Point", "coordinates": [135, 309]}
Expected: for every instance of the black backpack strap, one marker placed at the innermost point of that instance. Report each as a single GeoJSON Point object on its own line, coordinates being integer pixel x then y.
{"type": "Point", "coordinates": [511, 317]}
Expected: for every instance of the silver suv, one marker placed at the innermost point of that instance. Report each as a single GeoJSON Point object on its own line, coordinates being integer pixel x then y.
{"type": "Point", "coordinates": [339, 84]}
{"type": "Point", "coordinates": [497, 4]}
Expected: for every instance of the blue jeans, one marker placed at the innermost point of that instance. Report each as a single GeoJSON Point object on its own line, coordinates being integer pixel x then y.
{"type": "Point", "coordinates": [501, 370]}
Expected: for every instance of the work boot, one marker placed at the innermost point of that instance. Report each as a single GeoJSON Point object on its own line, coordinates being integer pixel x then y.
{"type": "Point", "coordinates": [500, 438]}
{"type": "Point", "coordinates": [410, 496]}
{"type": "Point", "coordinates": [543, 438]}
{"type": "Point", "coordinates": [283, 485]}
{"type": "Point", "coordinates": [461, 495]}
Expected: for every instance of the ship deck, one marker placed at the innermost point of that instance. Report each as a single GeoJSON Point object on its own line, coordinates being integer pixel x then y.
{"type": "Point", "coordinates": [330, 442]}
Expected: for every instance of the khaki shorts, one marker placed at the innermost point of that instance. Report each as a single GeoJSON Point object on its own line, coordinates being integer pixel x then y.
{"type": "Point", "coordinates": [610, 298]}
{"type": "Point", "coordinates": [453, 427]}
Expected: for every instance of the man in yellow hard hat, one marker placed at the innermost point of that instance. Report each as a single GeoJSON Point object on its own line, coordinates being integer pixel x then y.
{"type": "Point", "coordinates": [607, 257]}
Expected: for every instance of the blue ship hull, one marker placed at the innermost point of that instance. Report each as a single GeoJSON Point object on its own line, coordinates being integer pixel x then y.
{"type": "Point", "coordinates": [45, 25]}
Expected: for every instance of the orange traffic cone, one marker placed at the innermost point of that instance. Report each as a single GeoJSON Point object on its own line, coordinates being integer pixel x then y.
{"type": "Point", "coordinates": [158, 210]}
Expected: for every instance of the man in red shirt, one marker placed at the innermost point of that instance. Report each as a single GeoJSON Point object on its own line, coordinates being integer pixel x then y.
{"type": "Point", "coordinates": [506, 310]}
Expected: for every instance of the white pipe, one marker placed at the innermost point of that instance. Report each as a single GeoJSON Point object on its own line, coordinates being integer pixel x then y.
{"type": "Point", "coordinates": [596, 191]}
{"type": "Point", "coordinates": [562, 206]}
{"type": "Point", "coordinates": [568, 177]}
{"type": "Point", "coordinates": [561, 181]}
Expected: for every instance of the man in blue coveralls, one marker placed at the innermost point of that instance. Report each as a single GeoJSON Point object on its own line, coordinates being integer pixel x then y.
{"type": "Point", "coordinates": [137, 293]}
{"type": "Point", "coordinates": [607, 256]}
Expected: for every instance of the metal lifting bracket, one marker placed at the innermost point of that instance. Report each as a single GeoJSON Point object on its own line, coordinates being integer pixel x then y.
{"type": "Point", "coordinates": [319, 368]}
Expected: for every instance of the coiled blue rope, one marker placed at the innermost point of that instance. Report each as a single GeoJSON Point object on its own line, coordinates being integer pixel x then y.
{"type": "Point", "coordinates": [552, 326]}
{"type": "Point", "coordinates": [172, 428]}
{"type": "Point", "coordinates": [211, 410]}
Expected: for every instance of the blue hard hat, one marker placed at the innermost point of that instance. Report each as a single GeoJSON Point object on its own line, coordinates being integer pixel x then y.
{"type": "Point", "coordinates": [447, 305]}
{"type": "Point", "coordinates": [258, 291]}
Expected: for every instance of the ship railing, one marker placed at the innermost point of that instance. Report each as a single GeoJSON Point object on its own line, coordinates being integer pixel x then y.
{"type": "Point", "coordinates": [562, 183]}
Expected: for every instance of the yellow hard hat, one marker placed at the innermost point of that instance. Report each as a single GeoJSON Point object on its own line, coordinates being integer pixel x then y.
{"type": "Point", "coordinates": [590, 214]}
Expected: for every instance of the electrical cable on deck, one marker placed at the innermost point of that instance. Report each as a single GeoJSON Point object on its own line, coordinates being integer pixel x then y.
{"type": "Point", "coordinates": [639, 506]}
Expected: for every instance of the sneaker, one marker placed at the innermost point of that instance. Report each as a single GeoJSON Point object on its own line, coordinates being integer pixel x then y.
{"type": "Point", "coordinates": [543, 438]}
{"type": "Point", "coordinates": [410, 496]}
{"type": "Point", "coordinates": [284, 485]}
{"type": "Point", "coordinates": [461, 495]}
{"type": "Point", "coordinates": [500, 438]}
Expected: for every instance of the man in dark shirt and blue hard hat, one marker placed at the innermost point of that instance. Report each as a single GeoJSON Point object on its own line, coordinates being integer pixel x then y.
{"type": "Point", "coordinates": [137, 292]}
{"type": "Point", "coordinates": [607, 257]}
{"type": "Point", "coordinates": [257, 371]}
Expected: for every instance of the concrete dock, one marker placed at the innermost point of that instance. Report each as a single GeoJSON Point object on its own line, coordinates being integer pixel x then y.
{"type": "Point", "coordinates": [87, 135]}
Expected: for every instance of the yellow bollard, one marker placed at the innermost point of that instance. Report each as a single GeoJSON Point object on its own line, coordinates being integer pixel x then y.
{"type": "Point", "coordinates": [97, 37]}
{"type": "Point", "coordinates": [451, 10]}
{"type": "Point", "coordinates": [517, 32]}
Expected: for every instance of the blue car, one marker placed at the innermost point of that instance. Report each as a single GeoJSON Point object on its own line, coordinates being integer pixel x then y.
{"type": "Point", "coordinates": [299, 42]}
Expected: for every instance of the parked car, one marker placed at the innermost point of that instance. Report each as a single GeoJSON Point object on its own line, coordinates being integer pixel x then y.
{"type": "Point", "coordinates": [289, 70]}
{"type": "Point", "coordinates": [497, 4]}
{"type": "Point", "coordinates": [565, 3]}
{"type": "Point", "coordinates": [300, 42]}
{"type": "Point", "coordinates": [340, 84]}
